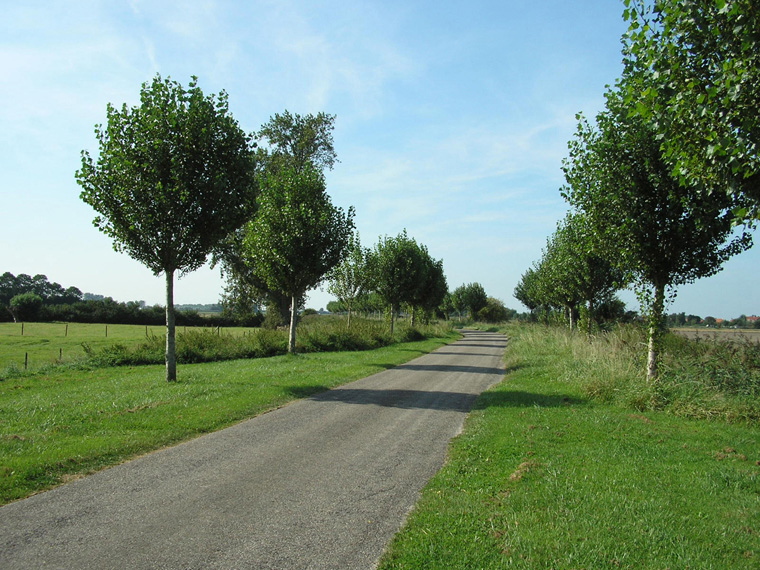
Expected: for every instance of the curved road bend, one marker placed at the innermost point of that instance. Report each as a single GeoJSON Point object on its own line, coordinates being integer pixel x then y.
{"type": "Point", "coordinates": [321, 483]}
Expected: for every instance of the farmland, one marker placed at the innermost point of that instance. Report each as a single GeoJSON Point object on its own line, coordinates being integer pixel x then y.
{"type": "Point", "coordinates": [724, 334]}
{"type": "Point", "coordinates": [42, 344]}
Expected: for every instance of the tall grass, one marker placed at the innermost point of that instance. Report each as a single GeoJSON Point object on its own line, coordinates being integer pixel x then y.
{"type": "Point", "coordinates": [315, 334]}
{"type": "Point", "coordinates": [705, 378]}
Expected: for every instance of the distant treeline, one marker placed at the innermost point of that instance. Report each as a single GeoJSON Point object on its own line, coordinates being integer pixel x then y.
{"type": "Point", "coordinates": [25, 298]}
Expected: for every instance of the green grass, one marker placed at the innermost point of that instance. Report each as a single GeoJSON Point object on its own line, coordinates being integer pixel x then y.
{"type": "Point", "coordinates": [58, 425]}
{"type": "Point", "coordinates": [548, 475]}
{"type": "Point", "coordinates": [52, 343]}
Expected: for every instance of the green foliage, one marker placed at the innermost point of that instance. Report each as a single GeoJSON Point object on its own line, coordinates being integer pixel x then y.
{"type": "Point", "coordinates": [495, 312]}
{"type": "Point", "coordinates": [51, 293]}
{"type": "Point", "coordinates": [693, 70]}
{"type": "Point", "coordinates": [299, 141]}
{"type": "Point", "coordinates": [663, 233]}
{"type": "Point", "coordinates": [404, 273]}
{"type": "Point", "coordinates": [470, 297]}
{"type": "Point", "coordinates": [174, 177]}
{"type": "Point", "coordinates": [298, 236]}
{"type": "Point", "coordinates": [350, 279]}
{"type": "Point", "coordinates": [26, 306]}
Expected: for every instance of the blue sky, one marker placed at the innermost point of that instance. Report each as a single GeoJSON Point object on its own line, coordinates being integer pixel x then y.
{"type": "Point", "coordinates": [452, 122]}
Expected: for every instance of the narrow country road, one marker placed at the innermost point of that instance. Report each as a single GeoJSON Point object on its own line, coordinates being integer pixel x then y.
{"type": "Point", "coordinates": [321, 483]}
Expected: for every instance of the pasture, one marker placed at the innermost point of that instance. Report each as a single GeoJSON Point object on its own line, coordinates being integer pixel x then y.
{"type": "Point", "coordinates": [42, 344]}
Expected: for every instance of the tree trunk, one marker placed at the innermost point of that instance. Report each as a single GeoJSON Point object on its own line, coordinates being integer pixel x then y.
{"type": "Point", "coordinates": [393, 317]}
{"type": "Point", "coordinates": [571, 317]}
{"type": "Point", "coordinates": [413, 314]}
{"type": "Point", "coordinates": [293, 323]}
{"type": "Point", "coordinates": [655, 332]}
{"type": "Point", "coordinates": [590, 316]}
{"type": "Point", "coordinates": [171, 346]}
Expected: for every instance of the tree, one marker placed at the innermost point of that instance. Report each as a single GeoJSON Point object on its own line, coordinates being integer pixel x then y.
{"type": "Point", "coordinates": [25, 306]}
{"type": "Point", "coordinates": [350, 279]}
{"type": "Point", "coordinates": [578, 269]}
{"type": "Point", "coordinates": [664, 233]}
{"type": "Point", "coordinates": [693, 70]}
{"type": "Point", "coordinates": [173, 178]}
{"type": "Point", "coordinates": [299, 141]}
{"type": "Point", "coordinates": [287, 140]}
{"type": "Point", "coordinates": [297, 237]}
{"type": "Point", "coordinates": [471, 297]}
{"type": "Point", "coordinates": [433, 288]}
{"type": "Point", "coordinates": [397, 269]}
{"type": "Point", "coordinates": [495, 312]}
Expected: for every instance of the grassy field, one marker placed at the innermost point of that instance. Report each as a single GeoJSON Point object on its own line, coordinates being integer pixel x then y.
{"type": "Point", "coordinates": [59, 425]}
{"type": "Point", "coordinates": [42, 344]}
{"type": "Point", "coordinates": [547, 475]}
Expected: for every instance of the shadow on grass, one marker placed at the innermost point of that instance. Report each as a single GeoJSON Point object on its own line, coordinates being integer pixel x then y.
{"type": "Point", "coordinates": [521, 399]}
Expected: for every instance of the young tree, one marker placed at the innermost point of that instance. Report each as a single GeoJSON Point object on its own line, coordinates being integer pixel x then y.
{"type": "Point", "coordinates": [297, 237]}
{"type": "Point", "coordinates": [397, 269]}
{"type": "Point", "coordinates": [578, 268]}
{"type": "Point", "coordinates": [665, 234]}
{"type": "Point", "coordinates": [173, 178]}
{"type": "Point", "coordinates": [350, 279]}
{"type": "Point", "coordinates": [475, 298]}
{"type": "Point", "coordinates": [433, 288]}
{"type": "Point", "coordinates": [25, 306]}
{"type": "Point", "coordinates": [693, 70]}
{"type": "Point", "coordinates": [286, 141]}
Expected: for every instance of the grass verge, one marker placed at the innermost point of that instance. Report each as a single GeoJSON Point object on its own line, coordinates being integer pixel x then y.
{"type": "Point", "coordinates": [548, 475]}
{"type": "Point", "coordinates": [61, 425]}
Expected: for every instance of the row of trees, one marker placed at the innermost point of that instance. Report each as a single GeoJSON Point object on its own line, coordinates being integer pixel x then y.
{"type": "Point", "coordinates": [12, 286]}
{"type": "Point", "coordinates": [657, 183]}
{"type": "Point", "coordinates": [177, 180]}
{"type": "Point", "coordinates": [26, 298]}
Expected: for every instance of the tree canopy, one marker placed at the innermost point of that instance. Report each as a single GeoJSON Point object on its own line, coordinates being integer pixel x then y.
{"type": "Point", "coordinates": [693, 71]}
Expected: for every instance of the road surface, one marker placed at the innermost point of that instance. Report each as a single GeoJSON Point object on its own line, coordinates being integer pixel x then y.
{"type": "Point", "coordinates": [321, 483]}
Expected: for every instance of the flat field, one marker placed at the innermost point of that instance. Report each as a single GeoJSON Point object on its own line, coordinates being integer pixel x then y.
{"type": "Point", "coordinates": [740, 335]}
{"type": "Point", "coordinates": [42, 344]}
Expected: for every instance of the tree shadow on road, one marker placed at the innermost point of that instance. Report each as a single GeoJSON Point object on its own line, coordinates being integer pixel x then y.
{"type": "Point", "coordinates": [405, 399]}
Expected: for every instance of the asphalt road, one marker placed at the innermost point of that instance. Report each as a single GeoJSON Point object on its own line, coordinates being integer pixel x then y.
{"type": "Point", "coordinates": [321, 483]}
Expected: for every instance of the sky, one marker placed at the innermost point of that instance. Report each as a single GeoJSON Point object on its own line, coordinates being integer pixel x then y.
{"type": "Point", "coordinates": [452, 120]}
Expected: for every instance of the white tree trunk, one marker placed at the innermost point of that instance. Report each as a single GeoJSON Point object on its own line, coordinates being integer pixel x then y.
{"type": "Point", "coordinates": [655, 333]}
{"type": "Point", "coordinates": [171, 346]}
{"type": "Point", "coordinates": [293, 323]}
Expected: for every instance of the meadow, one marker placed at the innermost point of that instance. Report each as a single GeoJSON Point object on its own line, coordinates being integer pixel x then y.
{"type": "Point", "coordinates": [43, 344]}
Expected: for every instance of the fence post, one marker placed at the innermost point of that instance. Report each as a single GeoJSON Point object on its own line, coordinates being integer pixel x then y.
{"type": "Point", "coordinates": [67, 330]}
{"type": "Point", "coordinates": [22, 329]}
{"type": "Point", "coordinates": [26, 360]}
{"type": "Point", "coordinates": [106, 331]}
